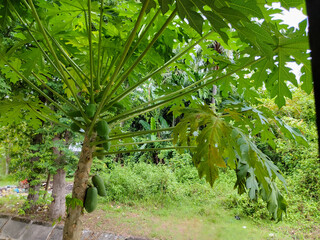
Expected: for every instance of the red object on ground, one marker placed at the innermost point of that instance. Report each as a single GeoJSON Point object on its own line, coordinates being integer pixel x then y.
{"type": "Point", "coordinates": [24, 181]}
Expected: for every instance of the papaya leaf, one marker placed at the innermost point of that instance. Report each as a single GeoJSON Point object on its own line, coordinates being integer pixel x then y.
{"type": "Point", "coordinates": [247, 7]}
{"type": "Point", "coordinates": [186, 10]}
{"type": "Point", "coordinates": [152, 4]}
{"type": "Point", "coordinates": [291, 133]}
{"type": "Point", "coordinates": [164, 4]}
{"type": "Point", "coordinates": [19, 109]}
{"type": "Point", "coordinates": [9, 73]}
{"type": "Point", "coordinates": [220, 144]}
{"type": "Point", "coordinates": [291, 3]}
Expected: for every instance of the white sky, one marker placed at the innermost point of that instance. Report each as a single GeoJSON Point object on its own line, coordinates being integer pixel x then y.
{"type": "Point", "coordinates": [292, 18]}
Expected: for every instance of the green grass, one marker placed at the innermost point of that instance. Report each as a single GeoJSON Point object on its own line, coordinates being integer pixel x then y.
{"type": "Point", "coordinates": [12, 204]}
{"type": "Point", "coordinates": [192, 210]}
{"type": "Point", "coordinates": [7, 180]}
{"type": "Point", "coordinates": [185, 220]}
{"type": "Point", "coordinates": [69, 180]}
{"type": "Point", "coordinates": [157, 202]}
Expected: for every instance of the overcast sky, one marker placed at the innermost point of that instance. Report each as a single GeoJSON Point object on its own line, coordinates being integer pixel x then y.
{"type": "Point", "coordinates": [292, 18]}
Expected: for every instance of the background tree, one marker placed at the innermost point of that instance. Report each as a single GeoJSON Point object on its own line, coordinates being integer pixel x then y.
{"type": "Point", "coordinates": [16, 100]}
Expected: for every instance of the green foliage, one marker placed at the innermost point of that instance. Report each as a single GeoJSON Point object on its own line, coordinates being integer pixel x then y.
{"type": "Point", "coordinates": [300, 163]}
{"type": "Point", "coordinates": [144, 182]}
{"type": "Point", "coordinates": [181, 165]}
{"type": "Point", "coordinates": [32, 110]}
{"type": "Point", "coordinates": [241, 205]}
{"type": "Point", "coordinates": [220, 144]}
{"type": "Point", "coordinates": [137, 182]}
{"type": "Point", "coordinates": [107, 54]}
{"type": "Point", "coordinates": [6, 180]}
{"type": "Point", "coordinates": [73, 202]}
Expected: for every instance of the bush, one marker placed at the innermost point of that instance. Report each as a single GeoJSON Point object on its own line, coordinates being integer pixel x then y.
{"type": "Point", "coordinates": [182, 166]}
{"type": "Point", "coordinates": [139, 181]}
{"type": "Point", "coordinates": [300, 164]}
{"type": "Point", "coordinates": [242, 205]}
{"type": "Point", "coordinates": [142, 181]}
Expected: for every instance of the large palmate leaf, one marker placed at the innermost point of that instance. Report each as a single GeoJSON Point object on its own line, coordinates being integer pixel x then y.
{"type": "Point", "coordinates": [259, 121]}
{"type": "Point", "coordinates": [220, 144]}
{"type": "Point", "coordinates": [7, 71]}
{"type": "Point", "coordinates": [19, 109]}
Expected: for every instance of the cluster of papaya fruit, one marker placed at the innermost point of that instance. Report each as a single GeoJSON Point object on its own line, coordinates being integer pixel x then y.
{"type": "Point", "coordinates": [103, 131]}
{"type": "Point", "coordinates": [101, 127]}
{"type": "Point", "coordinates": [91, 198]}
{"type": "Point", "coordinates": [90, 110]}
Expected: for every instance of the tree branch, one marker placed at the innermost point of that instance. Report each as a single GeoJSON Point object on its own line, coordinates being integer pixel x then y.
{"type": "Point", "coordinates": [143, 150]}
{"type": "Point", "coordinates": [177, 94]}
{"type": "Point", "coordinates": [129, 90]}
{"type": "Point", "coordinates": [53, 91]}
{"type": "Point", "coordinates": [99, 46]}
{"type": "Point", "coordinates": [126, 49]}
{"type": "Point", "coordinates": [135, 134]}
{"type": "Point", "coordinates": [146, 142]}
{"type": "Point", "coordinates": [142, 55]}
{"type": "Point", "coordinates": [64, 78]}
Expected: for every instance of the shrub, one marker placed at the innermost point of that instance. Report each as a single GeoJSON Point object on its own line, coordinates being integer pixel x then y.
{"type": "Point", "coordinates": [143, 181]}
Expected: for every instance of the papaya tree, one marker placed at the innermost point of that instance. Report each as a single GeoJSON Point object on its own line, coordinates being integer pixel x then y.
{"type": "Point", "coordinates": [104, 51]}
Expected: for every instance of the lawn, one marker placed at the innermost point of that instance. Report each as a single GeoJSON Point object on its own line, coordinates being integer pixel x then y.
{"type": "Point", "coordinates": [216, 213]}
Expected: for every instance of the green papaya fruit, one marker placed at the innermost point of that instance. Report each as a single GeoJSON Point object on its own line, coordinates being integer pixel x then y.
{"type": "Point", "coordinates": [75, 127]}
{"type": "Point", "coordinates": [99, 184]}
{"type": "Point", "coordinates": [91, 199]}
{"type": "Point", "coordinates": [102, 128]}
{"type": "Point", "coordinates": [91, 110]}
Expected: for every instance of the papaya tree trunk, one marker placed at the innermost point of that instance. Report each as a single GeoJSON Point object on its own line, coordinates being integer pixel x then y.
{"type": "Point", "coordinates": [73, 225]}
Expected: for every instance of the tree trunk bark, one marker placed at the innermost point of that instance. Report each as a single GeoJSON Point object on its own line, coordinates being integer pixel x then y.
{"type": "Point", "coordinates": [58, 205]}
{"type": "Point", "coordinates": [73, 225]}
